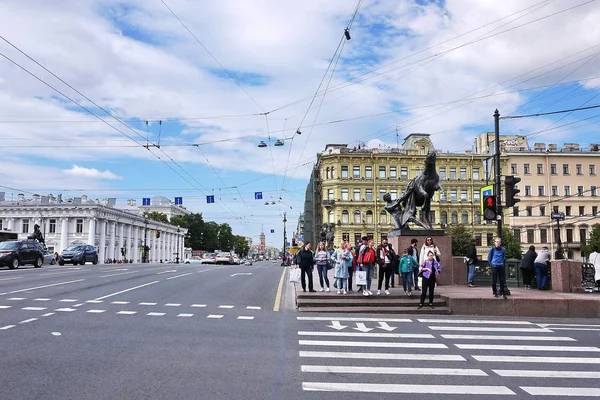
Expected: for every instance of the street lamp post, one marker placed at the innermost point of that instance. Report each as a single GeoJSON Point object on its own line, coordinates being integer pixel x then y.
{"type": "Point", "coordinates": [284, 233]}
{"type": "Point", "coordinates": [177, 254]}
{"type": "Point", "coordinates": [145, 240]}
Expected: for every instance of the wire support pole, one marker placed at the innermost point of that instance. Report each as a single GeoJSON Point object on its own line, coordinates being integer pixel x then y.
{"type": "Point", "coordinates": [497, 171]}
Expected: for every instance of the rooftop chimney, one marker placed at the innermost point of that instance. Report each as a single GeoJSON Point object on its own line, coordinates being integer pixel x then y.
{"type": "Point", "coordinates": [552, 147]}
{"type": "Point", "coordinates": [83, 198]}
{"type": "Point", "coordinates": [539, 146]}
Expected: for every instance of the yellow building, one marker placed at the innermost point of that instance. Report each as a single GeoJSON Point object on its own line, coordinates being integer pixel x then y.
{"type": "Point", "coordinates": [349, 183]}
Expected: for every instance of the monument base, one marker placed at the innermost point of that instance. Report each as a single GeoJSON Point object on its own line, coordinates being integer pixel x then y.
{"type": "Point", "coordinates": [416, 233]}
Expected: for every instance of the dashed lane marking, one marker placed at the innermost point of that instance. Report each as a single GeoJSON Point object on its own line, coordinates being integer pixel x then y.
{"type": "Point", "coordinates": [94, 301]}
{"type": "Point", "coordinates": [43, 286]}
{"type": "Point", "coordinates": [28, 320]}
{"type": "Point", "coordinates": [68, 300]}
{"type": "Point", "coordinates": [95, 311]}
{"type": "Point", "coordinates": [4, 307]}
{"type": "Point", "coordinates": [198, 305]}
{"type": "Point", "coordinates": [41, 299]}
{"type": "Point", "coordinates": [126, 290]}
{"type": "Point", "coordinates": [185, 315]}
{"type": "Point", "coordinates": [245, 317]}
{"type": "Point", "coordinates": [48, 314]}
{"type": "Point", "coordinates": [16, 298]}
{"type": "Point", "coordinates": [172, 304]}
{"type": "Point", "coordinates": [119, 302]}
{"type": "Point", "coordinates": [65, 309]}
{"type": "Point", "coordinates": [7, 327]}
{"type": "Point", "coordinates": [127, 312]}
{"type": "Point", "coordinates": [156, 314]}
{"type": "Point", "coordinates": [226, 306]}
{"type": "Point", "coordinates": [146, 304]}
{"type": "Point", "coordinates": [178, 276]}
{"type": "Point", "coordinates": [214, 316]}
{"type": "Point", "coordinates": [253, 308]}
{"type": "Point", "coordinates": [33, 308]}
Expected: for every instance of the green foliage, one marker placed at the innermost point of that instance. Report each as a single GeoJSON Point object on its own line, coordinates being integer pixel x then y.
{"type": "Point", "coordinates": [592, 241]}
{"type": "Point", "coordinates": [157, 216]}
{"type": "Point", "coordinates": [209, 235]}
{"type": "Point", "coordinates": [511, 243]}
{"type": "Point", "coordinates": [240, 245]}
{"type": "Point", "coordinates": [461, 239]}
{"type": "Point", "coordinates": [179, 220]}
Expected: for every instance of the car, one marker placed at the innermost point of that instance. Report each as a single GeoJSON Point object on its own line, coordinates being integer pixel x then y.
{"type": "Point", "coordinates": [248, 262]}
{"type": "Point", "coordinates": [21, 252]}
{"type": "Point", "coordinates": [49, 258]}
{"type": "Point", "coordinates": [78, 254]}
{"type": "Point", "coordinates": [209, 258]}
{"type": "Point", "coordinates": [224, 258]}
{"type": "Point", "coordinates": [194, 261]}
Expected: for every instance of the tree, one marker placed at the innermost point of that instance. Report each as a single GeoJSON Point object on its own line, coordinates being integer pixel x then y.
{"type": "Point", "coordinates": [240, 245]}
{"type": "Point", "coordinates": [179, 220]}
{"type": "Point", "coordinates": [511, 243]}
{"type": "Point", "coordinates": [461, 239]}
{"type": "Point", "coordinates": [593, 240]}
{"type": "Point", "coordinates": [156, 216]}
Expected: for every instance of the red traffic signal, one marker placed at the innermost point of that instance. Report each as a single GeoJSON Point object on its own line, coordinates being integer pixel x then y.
{"type": "Point", "coordinates": [489, 208]}
{"type": "Point", "coordinates": [157, 234]}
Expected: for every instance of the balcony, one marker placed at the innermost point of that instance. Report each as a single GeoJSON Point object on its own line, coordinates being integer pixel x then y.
{"type": "Point", "coordinates": [328, 203]}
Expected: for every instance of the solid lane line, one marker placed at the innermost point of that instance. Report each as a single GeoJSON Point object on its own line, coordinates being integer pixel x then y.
{"type": "Point", "coordinates": [527, 348]}
{"type": "Point", "coordinates": [126, 290]}
{"type": "Point", "coordinates": [487, 329]}
{"type": "Point", "coordinates": [528, 338]}
{"type": "Point", "coordinates": [382, 356]}
{"type": "Point", "coordinates": [538, 359]}
{"type": "Point", "coordinates": [354, 319]}
{"type": "Point", "coordinates": [367, 334]}
{"type": "Point", "coordinates": [405, 388]}
{"type": "Point", "coordinates": [526, 373]}
{"type": "Point", "coordinates": [472, 321]}
{"type": "Point", "coordinates": [179, 276]}
{"type": "Point", "coordinates": [45, 286]}
{"type": "Point", "coordinates": [337, 369]}
{"type": "Point", "coordinates": [372, 344]}
{"type": "Point", "coordinates": [561, 391]}
{"type": "Point", "coordinates": [277, 304]}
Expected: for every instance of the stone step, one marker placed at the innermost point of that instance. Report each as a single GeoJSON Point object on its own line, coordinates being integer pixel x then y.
{"type": "Point", "coordinates": [333, 293]}
{"type": "Point", "coordinates": [378, 310]}
{"type": "Point", "coordinates": [345, 301]}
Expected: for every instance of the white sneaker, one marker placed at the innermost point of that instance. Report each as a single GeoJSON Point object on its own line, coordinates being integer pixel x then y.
{"type": "Point", "coordinates": [387, 292]}
{"type": "Point", "coordinates": [378, 292]}
{"type": "Point", "coordinates": [327, 290]}
{"type": "Point", "coordinates": [370, 293]}
{"type": "Point", "coordinates": [345, 292]}
{"type": "Point", "coordinates": [321, 290]}
{"type": "Point", "coordinates": [339, 292]}
{"type": "Point", "coordinates": [365, 293]}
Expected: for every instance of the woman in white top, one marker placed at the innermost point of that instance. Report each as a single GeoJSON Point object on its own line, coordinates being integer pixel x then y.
{"type": "Point", "coordinates": [427, 247]}
{"type": "Point", "coordinates": [595, 259]}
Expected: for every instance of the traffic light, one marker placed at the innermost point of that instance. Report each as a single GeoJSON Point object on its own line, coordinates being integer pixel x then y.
{"type": "Point", "coordinates": [157, 234]}
{"type": "Point", "coordinates": [293, 242]}
{"type": "Point", "coordinates": [510, 191]}
{"type": "Point", "coordinates": [489, 208]}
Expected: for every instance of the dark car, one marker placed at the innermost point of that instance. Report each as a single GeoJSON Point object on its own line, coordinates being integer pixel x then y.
{"type": "Point", "coordinates": [21, 252]}
{"type": "Point", "coordinates": [78, 254]}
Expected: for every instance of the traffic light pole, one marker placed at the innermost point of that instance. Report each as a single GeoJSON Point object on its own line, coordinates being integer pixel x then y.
{"type": "Point", "coordinates": [497, 180]}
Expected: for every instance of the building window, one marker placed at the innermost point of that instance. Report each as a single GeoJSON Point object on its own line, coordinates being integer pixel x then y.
{"type": "Point", "coordinates": [513, 169]}
{"type": "Point", "coordinates": [529, 211]}
{"type": "Point", "coordinates": [369, 217]}
{"type": "Point", "coordinates": [432, 217]}
{"type": "Point", "coordinates": [454, 218]}
{"type": "Point", "coordinates": [356, 194]}
{"type": "Point", "coordinates": [453, 195]}
{"type": "Point", "coordinates": [393, 172]}
{"type": "Point", "coordinates": [554, 190]}
{"type": "Point", "coordinates": [403, 172]}
{"type": "Point", "coordinates": [570, 235]}
{"type": "Point", "coordinates": [581, 211]}
{"type": "Point", "coordinates": [478, 239]}
{"type": "Point", "coordinates": [475, 174]}
{"type": "Point", "coordinates": [345, 217]}
{"type": "Point", "coordinates": [568, 211]}
{"type": "Point", "coordinates": [489, 239]}
{"type": "Point", "coordinates": [565, 169]}
{"type": "Point", "coordinates": [579, 190]}
{"type": "Point", "coordinates": [444, 218]}
{"type": "Point", "coordinates": [79, 226]}
{"type": "Point", "coordinates": [52, 226]}
{"type": "Point", "coordinates": [530, 238]}
{"type": "Point", "coordinates": [542, 211]}
{"type": "Point", "coordinates": [357, 217]}
{"type": "Point", "coordinates": [527, 190]}
{"type": "Point", "coordinates": [541, 190]}
{"type": "Point", "coordinates": [442, 174]}
{"type": "Point", "coordinates": [1, 224]}
{"type": "Point", "coordinates": [477, 218]}
{"type": "Point", "coordinates": [369, 172]}
{"type": "Point", "coordinates": [526, 169]}
{"type": "Point", "coordinates": [594, 210]}
{"type": "Point", "coordinates": [383, 217]}
{"type": "Point", "coordinates": [517, 233]}
{"type": "Point", "coordinates": [554, 209]}
{"type": "Point", "coordinates": [344, 171]}
{"type": "Point", "coordinates": [331, 217]}
{"type": "Point", "coordinates": [329, 194]}
{"type": "Point", "coordinates": [592, 190]}
{"type": "Point", "coordinates": [394, 194]}
{"type": "Point", "coordinates": [369, 194]}
{"type": "Point", "coordinates": [567, 189]}
{"type": "Point", "coordinates": [592, 169]}
{"type": "Point", "coordinates": [332, 172]}
{"type": "Point", "coordinates": [476, 196]}
{"type": "Point", "coordinates": [327, 173]}
{"type": "Point", "coordinates": [452, 174]}
{"type": "Point", "coordinates": [442, 195]}
{"type": "Point", "coordinates": [543, 236]}
{"type": "Point", "coordinates": [540, 169]}
{"type": "Point", "coordinates": [382, 172]}
{"type": "Point", "coordinates": [463, 174]}
{"type": "Point", "coordinates": [582, 236]}
{"type": "Point", "coordinates": [463, 195]}
{"type": "Point", "coordinates": [515, 211]}
{"type": "Point", "coordinates": [356, 171]}
{"type": "Point", "coordinates": [579, 169]}
{"type": "Point", "coordinates": [346, 237]}
{"type": "Point", "coordinates": [25, 225]}
{"type": "Point", "coordinates": [553, 169]}
{"type": "Point", "coordinates": [345, 195]}
{"type": "Point", "coordinates": [422, 150]}
{"type": "Point", "coordinates": [357, 237]}
{"type": "Point", "coordinates": [465, 218]}
{"type": "Point", "coordinates": [381, 194]}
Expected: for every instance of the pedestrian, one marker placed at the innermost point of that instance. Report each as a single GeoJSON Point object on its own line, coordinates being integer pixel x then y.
{"type": "Point", "coordinates": [322, 259]}
{"type": "Point", "coordinates": [496, 259]}
{"type": "Point", "coordinates": [359, 250]}
{"type": "Point", "coordinates": [541, 264]}
{"type": "Point", "coordinates": [430, 246]}
{"type": "Point", "coordinates": [342, 258]}
{"type": "Point", "coordinates": [414, 253]}
{"type": "Point", "coordinates": [527, 265]}
{"type": "Point", "coordinates": [384, 258]}
{"type": "Point", "coordinates": [471, 261]}
{"type": "Point", "coordinates": [594, 258]}
{"type": "Point", "coordinates": [352, 266]}
{"type": "Point", "coordinates": [366, 259]}
{"type": "Point", "coordinates": [429, 270]}
{"type": "Point", "coordinates": [305, 261]}
{"type": "Point", "coordinates": [407, 265]}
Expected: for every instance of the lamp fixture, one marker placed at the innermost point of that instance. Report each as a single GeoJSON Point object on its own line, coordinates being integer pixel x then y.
{"type": "Point", "coordinates": [262, 144]}
{"type": "Point", "coordinates": [298, 132]}
{"type": "Point", "coordinates": [278, 143]}
{"type": "Point", "coordinates": [347, 33]}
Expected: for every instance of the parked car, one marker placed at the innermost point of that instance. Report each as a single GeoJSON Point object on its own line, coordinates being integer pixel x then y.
{"type": "Point", "coordinates": [224, 258]}
{"type": "Point", "coordinates": [49, 258]}
{"type": "Point", "coordinates": [248, 262]}
{"type": "Point", "coordinates": [210, 258]}
{"type": "Point", "coordinates": [78, 254]}
{"type": "Point", "coordinates": [194, 261]}
{"type": "Point", "coordinates": [20, 252]}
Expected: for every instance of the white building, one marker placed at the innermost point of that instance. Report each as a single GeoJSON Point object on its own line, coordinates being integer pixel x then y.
{"type": "Point", "coordinates": [116, 233]}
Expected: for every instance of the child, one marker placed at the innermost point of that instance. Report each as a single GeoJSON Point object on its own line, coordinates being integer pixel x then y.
{"type": "Point", "coordinates": [407, 266]}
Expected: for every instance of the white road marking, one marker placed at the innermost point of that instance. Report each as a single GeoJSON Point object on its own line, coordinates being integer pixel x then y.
{"type": "Point", "coordinates": [372, 344]}
{"type": "Point", "coordinates": [95, 311]}
{"type": "Point", "coordinates": [41, 299]}
{"type": "Point", "coordinates": [44, 286]}
{"type": "Point", "coordinates": [78, 304]}
{"type": "Point", "coordinates": [253, 308]}
{"type": "Point", "coordinates": [127, 312]}
{"type": "Point", "coordinates": [527, 348]}
{"type": "Point", "coordinates": [65, 309]}
{"type": "Point", "coordinates": [7, 327]}
{"type": "Point", "coordinates": [4, 307]}
{"type": "Point", "coordinates": [561, 391]}
{"type": "Point", "coordinates": [382, 356]}
{"type": "Point", "coordinates": [156, 314]}
{"type": "Point", "coordinates": [126, 290]}
{"type": "Point", "coordinates": [94, 301]}
{"type": "Point", "coordinates": [119, 302]}
{"type": "Point", "coordinates": [56, 333]}
{"type": "Point", "coordinates": [528, 338]}
{"type": "Point", "coordinates": [172, 304]}
{"type": "Point", "coordinates": [487, 329]}
{"type": "Point", "coordinates": [405, 388]}
{"type": "Point", "coordinates": [245, 317]}
{"type": "Point", "coordinates": [68, 300]}
{"type": "Point", "coordinates": [166, 272]}
{"type": "Point", "coordinates": [33, 308]}
{"type": "Point", "coordinates": [526, 373]}
{"type": "Point", "coordinates": [472, 321]}
{"type": "Point", "coordinates": [573, 325]}
{"type": "Point", "coordinates": [353, 319]}
{"type": "Point", "coordinates": [120, 273]}
{"type": "Point", "coordinates": [11, 279]}
{"type": "Point", "coordinates": [226, 306]}
{"type": "Point", "coordinates": [241, 273]}
{"type": "Point", "coordinates": [178, 276]}
{"type": "Point", "coordinates": [214, 316]}
{"type": "Point", "coordinates": [336, 369]}
{"type": "Point", "coordinates": [16, 298]}
{"type": "Point", "coordinates": [185, 315]}
{"type": "Point", "coordinates": [198, 305]}
{"type": "Point", "coordinates": [573, 329]}
{"type": "Point", "coordinates": [28, 320]}
{"type": "Point", "coordinates": [373, 335]}
{"type": "Point", "coordinates": [538, 359]}
{"type": "Point", "coordinates": [48, 314]}
{"type": "Point", "coordinates": [146, 304]}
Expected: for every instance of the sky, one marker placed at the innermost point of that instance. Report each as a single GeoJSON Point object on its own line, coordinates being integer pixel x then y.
{"type": "Point", "coordinates": [134, 99]}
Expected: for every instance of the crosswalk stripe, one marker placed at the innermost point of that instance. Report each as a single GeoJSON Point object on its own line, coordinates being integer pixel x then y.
{"type": "Point", "coordinates": [411, 345]}
{"type": "Point", "coordinates": [143, 303]}
{"type": "Point", "coordinates": [525, 373]}
{"type": "Point", "coordinates": [367, 334]}
{"type": "Point", "coordinates": [354, 319]}
{"type": "Point", "coordinates": [126, 312]}
{"type": "Point", "coordinates": [538, 359]}
{"type": "Point", "coordinates": [4, 307]}
{"type": "Point", "coordinates": [528, 338]}
{"type": "Point", "coordinates": [33, 308]}
{"type": "Point", "coordinates": [472, 321]}
{"type": "Point", "coordinates": [156, 314]}
{"type": "Point", "coordinates": [573, 325]}
{"type": "Point", "coordinates": [562, 391]}
{"type": "Point", "coordinates": [96, 311]}
{"type": "Point", "coordinates": [404, 388]}
{"type": "Point", "coordinates": [487, 329]}
{"type": "Point", "coordinates": [391, 370]}
{"type": "Point", "coordinates": [382, 356]}
{"type": "Point", "coordinates": [526, 348]}
{"type": "Point", "coordinates": [573, 329]}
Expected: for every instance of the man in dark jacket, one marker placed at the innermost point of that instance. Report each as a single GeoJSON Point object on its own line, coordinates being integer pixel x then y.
{"type": "Point", "coordinates": [527, 266]}
{"type": "Point", "coordinates": [471, 261]}
{"type": "Point", "coordinates": [306, 260]}
{"type": "Point", "coordinates": [385, 257]}
{"type": "Point", "coordinates": [413, 252]}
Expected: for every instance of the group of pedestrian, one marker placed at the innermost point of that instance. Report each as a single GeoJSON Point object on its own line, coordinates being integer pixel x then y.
{"type": "Point", "coordinates": [538, 264]}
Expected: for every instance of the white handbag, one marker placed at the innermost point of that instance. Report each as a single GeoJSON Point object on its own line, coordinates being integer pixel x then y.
{"type": "Point", "coordinates": [295, 275]}
{"type": "Point", "coordinates": [361, 277]}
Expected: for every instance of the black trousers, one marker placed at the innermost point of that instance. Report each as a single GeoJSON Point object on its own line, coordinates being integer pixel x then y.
{"type": "Point", "coordinates": [350, 272]}
{"type": "Point", "coordinates": [427, 284]}
{"type": "Point", "coordinates": [527, 275]}
{"type": "Point", "coordinates": [306, 271]}
{"type": "Point", "coordinates": [385, 271]}
{"type": "Point", "coordinates": [416, 278]}
{"type": "Point", "coordinates": [498, 274]}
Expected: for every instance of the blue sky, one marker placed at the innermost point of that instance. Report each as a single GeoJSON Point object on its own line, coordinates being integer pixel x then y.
{"type": "Point", "coordinates": [411, 66]}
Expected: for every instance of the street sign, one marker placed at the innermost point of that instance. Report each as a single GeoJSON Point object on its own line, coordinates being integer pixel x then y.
{"type": "Point", "coordinates": [210, 199]}
{"type": "Point", "coordinates": [558, 215]}
{"type": "Point", "coordinates": [272, 230]}
{"type": "Point", "coordinates": [257, 195]}
{"type": "Point", "coordinates": [146, 201]}
{"type": "Point", "coordinates": [485, 191]}
{"type": "Point", "coordinates": [178, 201]}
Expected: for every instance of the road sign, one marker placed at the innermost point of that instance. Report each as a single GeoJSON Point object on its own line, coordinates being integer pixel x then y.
{"type": "Point", "coordinates": [485, 191]}
{"type": "Point", "coordinates": [558, 215]}
{"type": "Point", "coordinates": [272, 230]}
{"type": "Point", "coordinates": [210, 199]}
{"type": "Point", "coordinates": [257, 195]}
{"type": "Point", "coordinates": [178, 201]}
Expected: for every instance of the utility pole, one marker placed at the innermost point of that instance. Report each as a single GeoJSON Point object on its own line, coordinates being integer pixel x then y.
{"type": "Point", "coordinates": [177, 254]}
{"type": "Point", "coordinates": [497, 181]}
{"type": "Point", "coordinates": [145, 254]}
{"type": "Point", "coordinates": [284, 233]}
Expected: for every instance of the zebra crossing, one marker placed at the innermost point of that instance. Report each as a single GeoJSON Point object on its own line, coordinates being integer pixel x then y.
{"type": "Point", "coordinates": [483, 358]}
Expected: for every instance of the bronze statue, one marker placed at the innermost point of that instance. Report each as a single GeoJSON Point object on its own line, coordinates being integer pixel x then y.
{"type": "Point", "coordinates": [418, 193]}
{"type": "Point", "coordinates": [327, 236]}
{"type": "Point", "coordinates": [37, 235]}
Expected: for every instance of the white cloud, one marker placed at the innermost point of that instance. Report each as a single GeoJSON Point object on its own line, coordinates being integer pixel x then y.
{"type": "Point", "coordinates": [91, 173]}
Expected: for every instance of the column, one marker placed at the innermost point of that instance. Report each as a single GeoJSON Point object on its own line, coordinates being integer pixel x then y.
{"type": "Point", "coordinates": [64, 233]}
{"type": "Point", "coordinates": [112, 230]}
{"type": "Point", "coordinates": [171, 247]}
{"type": "Point", "coordinates": [121, 240]}
{"type": "Point", "coordinates": [102, 253]}
{"type": "Point", "coordinates": [11, 224]}
{"type": "Point", "coordinates": [136, 244]}
{"type": "Point", "coordinates": [92, 232]}
{"type": "Point", "coordinates": [162, 245]}
{"type": "Point", "coordinates": [180, 249]}
{"type": "Point", "coordinates": [129, 242]}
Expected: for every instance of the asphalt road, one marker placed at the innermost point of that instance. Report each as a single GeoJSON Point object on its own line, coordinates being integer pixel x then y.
{"type": "Point", "coordinates": [206, 332]}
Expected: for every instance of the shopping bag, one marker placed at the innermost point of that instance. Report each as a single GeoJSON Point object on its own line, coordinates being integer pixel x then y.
{"type": "Point", "coordinates": [295, 275]}
{"type": "Point", "coordinates": [361, 277]}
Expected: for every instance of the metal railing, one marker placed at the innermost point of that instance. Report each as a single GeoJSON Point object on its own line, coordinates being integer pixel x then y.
{"type": "Point", "coordinates": [588, 281]}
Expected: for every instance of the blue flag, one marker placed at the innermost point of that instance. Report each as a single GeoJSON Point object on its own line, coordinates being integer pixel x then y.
{"type": "Point", "coordinates": [210, 199]}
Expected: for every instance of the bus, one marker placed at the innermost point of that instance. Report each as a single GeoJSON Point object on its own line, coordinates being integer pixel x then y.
{"type": "Point", "coordinates": [4, 236]}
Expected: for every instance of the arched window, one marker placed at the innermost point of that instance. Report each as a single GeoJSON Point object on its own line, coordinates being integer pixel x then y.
{"type": "Point", "coordinates": [444, 218]}
{"type": "Point", "coordinates": [345, 217]}
{"type": "Point", "coordinates": [357, 217]}
{"type": "Point", "coordinates": [327, 173]}
{"type": "Point", "coordinates": [369, 217]}
{"type": "Point", "coordinates": [331, 218]}
{"type": "Point", "coordinates": [465, 218]}
{"type": "Point", "coordinates": [383, 217]}
{"type": "Point", "coordinates": [332, 172]}
{"type": "Point", "coordinates": [477, 217]}
{"type": "Point", "coordinates": [454, 217]}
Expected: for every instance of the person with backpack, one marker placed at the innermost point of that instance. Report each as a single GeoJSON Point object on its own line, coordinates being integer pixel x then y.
{"type": "Point", "coordinates": [407, 265]}
{"type": "Point", "coordinates": [527, 265]}
{"type": "Point", "coordinates": [430, 269]}
{"type": "Point", "coordinates": [496, 259]}
{"type": "Point", "coordinates": [385, 256]}
{"type": "Point", "coordinates": [414, 253]}
{"type": "Point", "coordinates": [366, 260]}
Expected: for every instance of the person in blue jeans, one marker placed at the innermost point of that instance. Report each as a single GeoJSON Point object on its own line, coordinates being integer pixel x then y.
{"type": "Point", "coordinates": [471, 261]}
{"type": "Point", "coordinates": [407, 265]}
{"type": "Point", "coordinates": [367, 259]}
{"type": "Point", "coordinates": [541, 268]}
{"type": "Point", "coordinates": [496, 259]}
